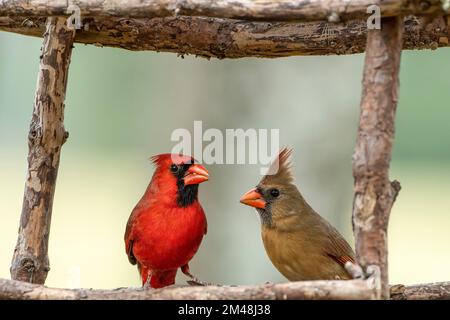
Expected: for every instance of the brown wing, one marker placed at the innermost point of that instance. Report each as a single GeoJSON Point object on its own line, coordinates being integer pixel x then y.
{"type": "Point", "coordinates": [338, 248]}
{"type": "Point", "coordinates": [342, 260]}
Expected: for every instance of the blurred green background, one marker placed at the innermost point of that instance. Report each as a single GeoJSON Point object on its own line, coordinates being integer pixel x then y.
{"type": "Point", "coordinates": [122, 106]}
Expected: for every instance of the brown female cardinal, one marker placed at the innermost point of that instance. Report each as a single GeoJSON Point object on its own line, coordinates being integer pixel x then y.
{"type": "Point", "coordinates": [300, 243]}
{"type": "Point", "coordinates": [167, 225]}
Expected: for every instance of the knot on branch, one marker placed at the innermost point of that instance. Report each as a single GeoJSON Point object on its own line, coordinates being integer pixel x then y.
{"type": "Point", "coordinates": [34, 135]}
{"type": "Point", "coordinates": [397, 292]}
{"type": "Point", "coordinates": [24, 269]}
{"type": "Point", "coordinates": [65, 136]}
{"type": "Point", "coordinates": [396, 187]}
{"type": "Point", "coordinates": [30, 269]}
{"type": "Point", "coordinates": [51, 136]}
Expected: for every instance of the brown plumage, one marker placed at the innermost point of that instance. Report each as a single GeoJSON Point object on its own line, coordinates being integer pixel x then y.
{"type": "Point", "coordinates": [300, 243]}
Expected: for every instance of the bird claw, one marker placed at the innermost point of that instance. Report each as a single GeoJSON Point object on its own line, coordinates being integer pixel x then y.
{"type": "Point", "coordinates": [355, 271]}
{"type": "Point", "coordinates": [146, 285]}
{"type": "Point", "coordinates": [196, 282]}
{"type": "Point", "coordinates": [372, 272]}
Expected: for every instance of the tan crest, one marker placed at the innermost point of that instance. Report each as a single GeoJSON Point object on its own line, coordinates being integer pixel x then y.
{"type": "Point", "coordinates": [280, 170]}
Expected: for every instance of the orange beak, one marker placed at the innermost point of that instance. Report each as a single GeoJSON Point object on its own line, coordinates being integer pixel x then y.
{"type": "Point", "coordinates": [195, 174]}
{"type": "Point", "coordinates": [253, 199]}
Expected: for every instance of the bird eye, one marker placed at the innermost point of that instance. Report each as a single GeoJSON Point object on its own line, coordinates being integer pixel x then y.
{"type": "Point", "coordinates": [274, 193]}
{"type": "Point", "coordinates": [174, 168]}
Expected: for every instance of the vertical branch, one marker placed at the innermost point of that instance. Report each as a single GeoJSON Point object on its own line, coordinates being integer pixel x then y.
{"type": "Point", "coordinates": [46, 136]}
{"type": "Point", "coordinates": [374, 193]}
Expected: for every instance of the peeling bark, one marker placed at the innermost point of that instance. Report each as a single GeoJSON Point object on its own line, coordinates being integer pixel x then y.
{"type": "Point", "coordinates": [426, 291]}
{"type": "Point", "coordinates": [294, 10]}
{"type": "Point", "coordinates": [352, 289]}
{"type": "Point", "coordinates": [46, 136]}
{"type": "Point", "coordinates": [225, 38]}
{"type": "Point", "coordinates": [209, 28]}
{"type": "Point", "coordinates": [313, 290]}
{"type": "Point", "coordinates": [374, 193]}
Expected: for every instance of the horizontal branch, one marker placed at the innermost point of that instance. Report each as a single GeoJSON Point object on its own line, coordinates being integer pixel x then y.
{"type": "Point", "coordinates": [352, 289]}
{"type": "Point", "coordinates": [225, 38]}
{"type": "Point", "coordinates": [298, 10]}
{"type": "Point", "coordinates": [315, 290]}
{"type": "Point", "coordinates": [429, 291]}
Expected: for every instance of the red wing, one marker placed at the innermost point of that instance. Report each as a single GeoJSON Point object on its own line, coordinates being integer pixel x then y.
{"type": "Point", "coordinates": [140, 208]}
{"type": "Point", "coordinates": [129, 236]}
{"type": "Point", "coordinates": [129, 243]}
{"type": "Point", "coordinates": [206, 222]}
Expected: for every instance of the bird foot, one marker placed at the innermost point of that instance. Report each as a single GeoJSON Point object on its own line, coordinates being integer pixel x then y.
{"type": "Point", "coordinates": [354, 270]}
{"type": "Point", "coordinates": [194, 280]}
{"type": "Point", "coordinates": [146, 285]}
{"type": "Point", "coordinates": [372, 271]}
{"type": "Point", "coordinates": [197, 282]}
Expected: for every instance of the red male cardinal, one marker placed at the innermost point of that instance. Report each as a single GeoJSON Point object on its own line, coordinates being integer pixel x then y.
{"type": "Point", "coordinates": [300, 243]}
{"type": "Point", "coordinates": [167, 225]}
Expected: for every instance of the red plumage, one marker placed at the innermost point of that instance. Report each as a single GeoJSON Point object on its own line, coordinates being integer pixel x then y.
{"type": "Point", "coordinates": [167, 225]}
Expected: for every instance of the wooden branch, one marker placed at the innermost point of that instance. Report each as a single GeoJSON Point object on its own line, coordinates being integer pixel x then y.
{"type": "Point", "coordinates": [314, 290]}
{"type": "Point", "coordinates": [224, 38]}
{"type": "Point", "coordinates": [294, 10]}
{"type": "Point", "coordinates": [374, 193]}
{"type": "Point", "coordinates": [46, 136]}
{"type": "Point", "coordinates": [429, 291]}
{"type": "Point", "coordinates": [353, 289]}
